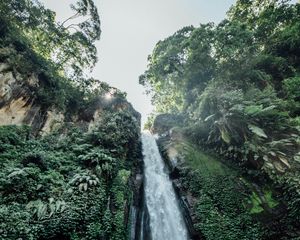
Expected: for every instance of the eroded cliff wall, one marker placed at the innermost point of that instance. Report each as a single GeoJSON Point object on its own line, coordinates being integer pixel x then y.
{"type": "Point", "coordinates": [20, 105]}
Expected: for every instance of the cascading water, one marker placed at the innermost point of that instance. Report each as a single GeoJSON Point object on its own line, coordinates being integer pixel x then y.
{"type": "Point", "coordinates": [166, 221]}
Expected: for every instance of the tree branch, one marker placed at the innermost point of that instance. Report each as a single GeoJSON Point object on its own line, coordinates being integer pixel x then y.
{"type": "Point", "coordinates": [72, 17]}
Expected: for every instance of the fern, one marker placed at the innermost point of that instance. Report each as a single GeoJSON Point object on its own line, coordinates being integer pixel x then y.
{"type": "Point", "coordinates": [41, 210]}
{"type": "Point", "coordinates": [84, 181]}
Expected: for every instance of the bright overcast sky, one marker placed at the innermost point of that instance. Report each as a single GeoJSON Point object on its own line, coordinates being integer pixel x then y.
{"type": "Point", "coordinates": [130, 30]}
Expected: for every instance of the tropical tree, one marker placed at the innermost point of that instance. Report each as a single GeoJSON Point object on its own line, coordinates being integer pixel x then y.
{"type": "Point", "coordinates": [70, 44]}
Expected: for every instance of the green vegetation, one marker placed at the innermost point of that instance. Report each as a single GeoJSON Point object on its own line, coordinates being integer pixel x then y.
{"type": "Point", "coordinates": [257, 204]}
{"type": "Point", "coordinates": [237, 86]}
{"type": "Point", "coordinates": [31, 28]}
{"type": "Point", "coordinates": [225, 201]}
{"type": "Point", "coordinates": [69, 184]}
{"type": "Point", "coordinates": [33, 43]}
{"type": "Point", "coordinates": [199, 160]}
{"type": "Point", "coordinates": [231, 89]}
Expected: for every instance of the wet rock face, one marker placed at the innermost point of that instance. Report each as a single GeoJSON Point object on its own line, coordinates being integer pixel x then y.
{"type": "Point", "coordinates": [173, 161]}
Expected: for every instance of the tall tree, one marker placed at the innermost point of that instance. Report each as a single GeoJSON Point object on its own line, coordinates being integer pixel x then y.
{"type": "Point", "coordinates": [69, 44]}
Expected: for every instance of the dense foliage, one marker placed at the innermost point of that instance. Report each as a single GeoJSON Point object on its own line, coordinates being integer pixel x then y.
{"type": "Point", "coordinates": [237, 84]}
{"type": "Point", "coordinates": [224, 201]}
{"type": "Point", "coordinates": [70, 184]}
{"type": "Point", "coordinates": [59, 54]}
{"type": "Point", "coordinates": [27, 24]}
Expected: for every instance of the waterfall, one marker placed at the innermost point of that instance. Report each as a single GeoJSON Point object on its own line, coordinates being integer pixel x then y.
{"type": "Point", "coordinates": [166, 221]}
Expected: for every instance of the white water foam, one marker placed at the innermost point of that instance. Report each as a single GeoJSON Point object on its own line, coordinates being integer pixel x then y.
{"type": "Point", "coordinates": [166, 221]}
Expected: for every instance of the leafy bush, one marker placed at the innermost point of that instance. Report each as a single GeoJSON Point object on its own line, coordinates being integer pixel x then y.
{"type": "Point", "coordinates": [35, 159]}
{"type": "Point", "coordinates": [71, 186]}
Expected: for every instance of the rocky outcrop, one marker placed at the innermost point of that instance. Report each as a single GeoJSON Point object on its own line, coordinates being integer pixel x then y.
{"type": "Point", "coordinates": [140, 228]}
{"type": "Point", "coordinates": [187, 202]}
{"type": "Point", "coordinates": [162, 126]}
{"type": "Point", "coordinates": [164, 122]}
{"type": "Point", "coordinates": [20, 105]}
{"type": "Point", "coordinates": [54, 119]}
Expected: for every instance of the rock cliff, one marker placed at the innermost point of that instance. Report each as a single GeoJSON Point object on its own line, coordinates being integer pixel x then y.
{"type": "Point", "coordinates": [19, 104]}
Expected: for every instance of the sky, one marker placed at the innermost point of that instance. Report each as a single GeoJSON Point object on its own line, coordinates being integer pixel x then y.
{"type": "Point", "coordinates": [130, 30]}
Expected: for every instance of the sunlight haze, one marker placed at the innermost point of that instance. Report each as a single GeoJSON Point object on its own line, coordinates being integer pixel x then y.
{"type": "Point", "coordinates": [130, 30]}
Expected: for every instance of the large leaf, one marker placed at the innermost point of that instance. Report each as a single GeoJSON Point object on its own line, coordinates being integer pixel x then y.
{"type": "Point", "coordinates": [284, 161]}
{"type": "Point", "coordinates": [225, 135]}
{"type": "Point", "coordinates": [209, 117]}
{"type": "Point", "coordinates": [253, 109]}
{"type": "Point", "coordinates": [267, 110]}
{"type": "Point", "coordinates": [297, 157]}
{"type": "Point", "coordinates": [257, 130]}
